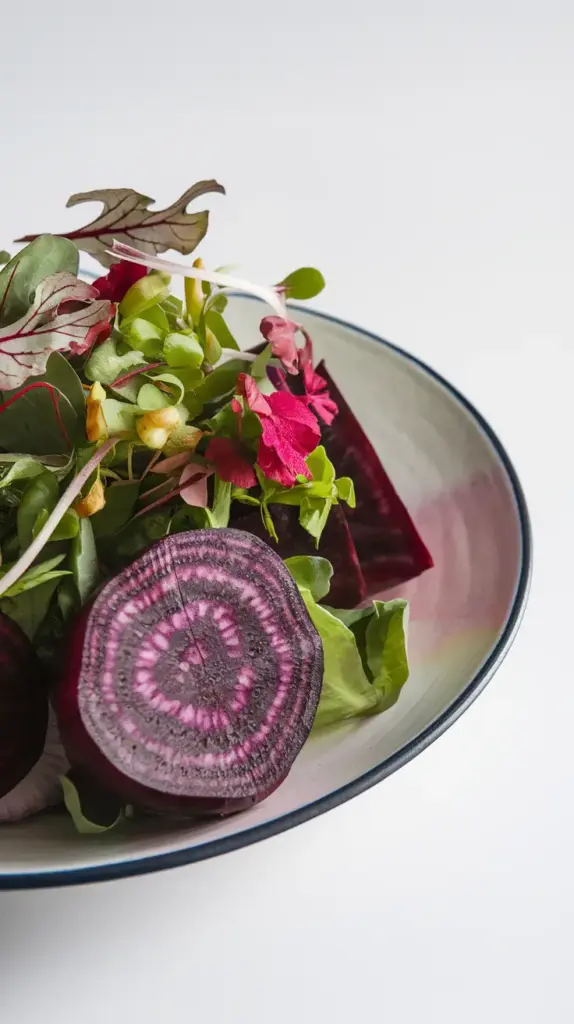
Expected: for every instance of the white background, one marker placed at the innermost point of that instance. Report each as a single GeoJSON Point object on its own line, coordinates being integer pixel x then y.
{"type": "Point", "coordinates": [422, 155]}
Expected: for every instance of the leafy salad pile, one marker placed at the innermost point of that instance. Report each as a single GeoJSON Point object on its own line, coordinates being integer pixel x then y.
{"type": "Point", "coordinates": [128, 417]}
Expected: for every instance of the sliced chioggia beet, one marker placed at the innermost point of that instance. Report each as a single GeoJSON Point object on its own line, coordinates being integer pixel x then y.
{"type": "Point", "coordinates": [193, 679]}
{"type": "Point", "coordinates": [347, 585]}
{"type": "Point", "coordinates": [23, 706]}
{"type": "Point", "coordinates": [40, 788]}
{"type": "Point", "coordinates": [389, 548]}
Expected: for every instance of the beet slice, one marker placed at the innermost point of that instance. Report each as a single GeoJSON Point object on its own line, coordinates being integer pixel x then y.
{"type": "Point", "coordinates": [389, 548]}
{"type": "Point", "coordinates": [192, 681]}
{"type": "Point", "coordinates": [347, 585]}
{"type": "Point", "coordinates": [23, 706]}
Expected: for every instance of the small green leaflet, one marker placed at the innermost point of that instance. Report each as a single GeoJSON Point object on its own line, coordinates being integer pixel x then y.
{"type": "Point", "coordinates": [149, 291]}
{"type": "Point", "coordinates": [304, 283]}
{"type": "Point", "coordinates": [40, 495]}
{"type": "Point", "coordinates": [92, 810]}
{"type": "Point", "coordinates": [183, 350]}
{"type": "Point", "coordinates": [106, 366]}
{"type": "Point", "coordinates": [24, 469]}
{"type": "Point", "coordinates": [315, 497]}
{"type": "Point", "coordinates": [36, 576]}
{"type": "Point", "coordinates": [84, 560]}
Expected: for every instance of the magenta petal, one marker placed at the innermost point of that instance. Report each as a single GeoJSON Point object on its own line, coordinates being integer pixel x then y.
{"type": "Point", "coordinates": [280, 334]}
{"type": "Point", "coordinates": [229, 462]}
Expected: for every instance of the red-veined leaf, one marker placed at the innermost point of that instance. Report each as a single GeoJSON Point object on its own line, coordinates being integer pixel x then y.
{"type": "Point", "coordinates": [127, 219]}
{"type": "Point", "coordinates": [54, 323]}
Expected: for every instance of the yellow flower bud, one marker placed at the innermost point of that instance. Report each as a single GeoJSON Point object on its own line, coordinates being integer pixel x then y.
{"type": "Point", "coordinates": [94, 501]}
{"type": "Point", "coordinates": [150, 434]}
{"type": "Point", "coordinates": [167, 418]}
{"type": "Point", "coordinates": [96, 427]}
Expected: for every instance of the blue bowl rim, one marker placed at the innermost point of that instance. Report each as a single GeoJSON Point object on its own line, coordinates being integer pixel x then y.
{"type": "Point", "coordinates": [227, 844]}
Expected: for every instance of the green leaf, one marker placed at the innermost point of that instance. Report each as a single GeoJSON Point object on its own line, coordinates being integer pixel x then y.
{"type": "Point", "coordinates": [120, 417]}
{"type": "Point", "coordinates": [304, 283]}
{"type": "Point", "coordinates": [92, 810]}
{"type": "Point", "coordinates": [30, 425]}
{"type": "Point", "coordinates": [105, 365]}
{"type": "Point", "coordinates": [183, 350]}
{"type": "Point", "coordinates": [61, 375]}
{"type": "Point", "coordinates": [218, 514]}
{"type": "Point", "coordinates": [320, 465]}
{"type": "Point", "coordinates": [151, 398]}
{"type": "Point", "coordinates": [346, 490]}
{"type": "Point", "coordinates": [45, 256]}
{"type": "Point", "coordinates": [67, 528]}
{"type": "Point", "coordinates": [346, 690]}
{"type": "Point", "coordinates": [26, 584]}
{"type": "Point", "coordinates": [380, 634]}
{"type": "Point", "coordinates": [41, 494]}
{"type": "Point", "coordinates": [137, 536]}
{"type": "Point", "coordinates": [84, 560]}
{"type": "Point", "coordinates": [121, 499]}
{"type": "Point", "coordinates": [4, 256]}
{"type": "Point", "coordinates": [30, 608]}
{"type": "Point", "coordinates": [216, 323]}
{"type": "Point", "coordinates": [311, 573]}
{"type": "Point", "coordinates": [145, 293]}
{"type": "Point", "coordinates": [144, 336]}
{"type": "Point", "coordinates": [24, 469]}
{"type": "Point", "coordinates": [173, 381]}
{"type": "Point", "coordinates": [313, 516]}
{"type": "Point", "coordinates": [221, 382]}
{"type": "Point", "coordinates": [189, 378]}
{"type": "Point", "coordinates": [259, 365]}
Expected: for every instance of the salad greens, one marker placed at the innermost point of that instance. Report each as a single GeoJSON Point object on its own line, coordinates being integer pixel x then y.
{"type": "Point", "coordinates": [128, 415]}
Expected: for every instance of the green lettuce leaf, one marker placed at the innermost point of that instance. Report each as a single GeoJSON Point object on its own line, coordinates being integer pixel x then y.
{"type": "Point", "coordinates": [366, 664]}
{"type": "Point", "coordinates": [311, 573]}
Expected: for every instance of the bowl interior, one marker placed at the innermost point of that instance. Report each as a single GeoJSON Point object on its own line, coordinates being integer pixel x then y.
{"type": "Point", "coordinates": [455, 481]}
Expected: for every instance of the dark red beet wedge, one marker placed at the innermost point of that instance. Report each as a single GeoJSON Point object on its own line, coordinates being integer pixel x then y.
{"type": "Point", "coordinates": [389, 548]}
{"type": "Point", "coordinates": [23, 706]}
{"type": "Point", "coordinates": [347, 585]}
{"type": "Point", "coordinates": [193, 679]}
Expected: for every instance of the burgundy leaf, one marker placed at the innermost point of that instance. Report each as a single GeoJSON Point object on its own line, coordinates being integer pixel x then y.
{"type": "Point", "coordinates": [126, 218]}
{"type": "Point", "coordinates": [62, 318]}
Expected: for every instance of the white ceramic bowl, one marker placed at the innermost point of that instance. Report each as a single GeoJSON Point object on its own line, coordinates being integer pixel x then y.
{"type": "Point", "coordinates": [463, 494]}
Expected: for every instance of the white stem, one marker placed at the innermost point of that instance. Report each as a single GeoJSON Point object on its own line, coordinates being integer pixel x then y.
{"type": "Point", "coordinates": [268, 295]}
{"type": "Point", "coordinates": [71, 492]}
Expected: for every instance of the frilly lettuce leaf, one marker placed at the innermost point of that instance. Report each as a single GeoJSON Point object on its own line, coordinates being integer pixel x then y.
{"type": "Point", "coordinates": [365, 653]}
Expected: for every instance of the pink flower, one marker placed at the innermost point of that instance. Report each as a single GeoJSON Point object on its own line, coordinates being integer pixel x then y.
{"type": "Point", "coordinates": [316, 393]}
{"type": "Point", "coordinates": [280, 334]}
{"type": "Point", "coordinates": [229, 462]}
{"type": "Point", "coordinates": [118, 280]}
{"type": "Point", "coordinates": [290, 432]}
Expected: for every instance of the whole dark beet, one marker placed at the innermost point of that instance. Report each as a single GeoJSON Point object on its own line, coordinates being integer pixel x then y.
{"type": "Point", "coordinates": [192, 681]}
{"type": "Point", "coordinates": [23, 706]}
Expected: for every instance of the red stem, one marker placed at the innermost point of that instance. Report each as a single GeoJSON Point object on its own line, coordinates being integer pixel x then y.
{"type": "Point", "coordinates": [53, 392]}
{"type": "Point", "coordinates": [162, 501]}
{"type": "Point", "coordinates": [135, 373]}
